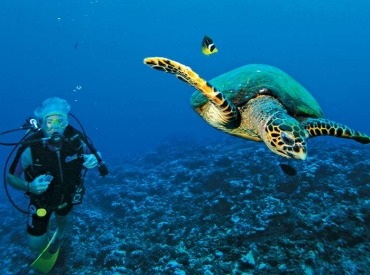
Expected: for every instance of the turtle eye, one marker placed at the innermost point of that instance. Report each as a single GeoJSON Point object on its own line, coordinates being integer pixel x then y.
{"type": "Point", "coordinates": [287, 139]}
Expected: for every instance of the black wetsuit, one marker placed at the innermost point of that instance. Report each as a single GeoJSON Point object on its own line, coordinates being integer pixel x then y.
{"type": "Point", "coordinates": [64, 163]}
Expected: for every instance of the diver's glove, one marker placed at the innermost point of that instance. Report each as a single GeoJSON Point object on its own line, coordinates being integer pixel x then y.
{"type": "Point", "coordinates": [90, 161]}
{"type": "Point", "coordinates": [39, 184]}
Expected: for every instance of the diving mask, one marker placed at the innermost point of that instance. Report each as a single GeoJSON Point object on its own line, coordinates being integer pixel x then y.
{"type": "Point", "coordinates": [55, 122]}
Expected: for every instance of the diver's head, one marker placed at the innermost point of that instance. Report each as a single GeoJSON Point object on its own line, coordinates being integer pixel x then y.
{"type": "Point", "coordinates": [53, 116]}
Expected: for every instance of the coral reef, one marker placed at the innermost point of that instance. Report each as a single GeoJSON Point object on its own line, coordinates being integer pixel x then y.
{"type": "Point", "coordinates": [190, 207]}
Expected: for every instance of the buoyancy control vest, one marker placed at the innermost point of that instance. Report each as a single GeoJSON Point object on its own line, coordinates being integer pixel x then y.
{"type": "Point", "coordinates": [64, 163]}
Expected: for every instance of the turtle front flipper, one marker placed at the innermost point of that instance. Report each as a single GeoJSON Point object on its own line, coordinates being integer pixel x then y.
{"type": "Point", "coordinates": [225, 113]}
{"type": "Point", "coordinates": [322, 127]}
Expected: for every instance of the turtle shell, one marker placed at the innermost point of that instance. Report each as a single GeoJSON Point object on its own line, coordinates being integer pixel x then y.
{"type": "Point", "coordinates": [244, 83]}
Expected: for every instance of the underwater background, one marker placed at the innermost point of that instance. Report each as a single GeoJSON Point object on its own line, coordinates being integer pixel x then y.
{"type": "Point", "coordinates": [182, 197]}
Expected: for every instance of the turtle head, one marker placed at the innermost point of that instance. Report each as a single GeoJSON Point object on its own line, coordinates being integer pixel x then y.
{"type": "Point", "coordinates": [286, 137]}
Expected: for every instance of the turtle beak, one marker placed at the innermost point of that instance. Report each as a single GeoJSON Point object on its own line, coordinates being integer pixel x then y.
{"type": "Point", "coordinates": [301, 156]}
{"type": "Point", "coordinates": [289, 155]}
{"type": "Point", "coordinates": [299, 152]}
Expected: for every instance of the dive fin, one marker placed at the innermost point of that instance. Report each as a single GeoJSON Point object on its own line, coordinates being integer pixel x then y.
{"type": "Point", "coordinates": [46, 260]}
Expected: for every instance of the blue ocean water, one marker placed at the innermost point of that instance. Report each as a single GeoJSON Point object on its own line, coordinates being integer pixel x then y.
{"type": "Point", "coordinates": [53, 48]}
{"type": "Point", "coordinates": [91, 53]}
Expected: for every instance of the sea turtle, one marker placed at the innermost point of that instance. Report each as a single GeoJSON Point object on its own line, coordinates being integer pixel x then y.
{"type": "Point", "coordinates": [260, 103]}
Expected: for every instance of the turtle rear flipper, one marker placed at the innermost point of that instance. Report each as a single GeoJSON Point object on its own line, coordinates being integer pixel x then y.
{"type": "Point", "coordinates": [321, 127]}
{"type": "Point", "coordinates": [225, 113]}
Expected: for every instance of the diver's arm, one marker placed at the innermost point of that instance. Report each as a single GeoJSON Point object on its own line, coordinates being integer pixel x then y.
{"type": "Point", "coordinates": [18, 182]}
{"type": "Point", "coordinates": [37, 186]}
{"type": "Point", "coordinates": [15, 178]}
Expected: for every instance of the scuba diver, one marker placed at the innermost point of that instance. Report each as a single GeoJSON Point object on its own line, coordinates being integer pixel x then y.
{"type": "Point", "coordinates": [49, 167]}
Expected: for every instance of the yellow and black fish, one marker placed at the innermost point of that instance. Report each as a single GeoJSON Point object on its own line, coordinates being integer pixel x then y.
{"type": "Point", "coordinates": [208, 47]}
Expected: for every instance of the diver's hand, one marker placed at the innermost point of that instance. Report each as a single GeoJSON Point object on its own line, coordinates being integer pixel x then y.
{"type": "Point", "coordinates": [90, 161]}
{"type": "Point", "coordinates": [40, 184]}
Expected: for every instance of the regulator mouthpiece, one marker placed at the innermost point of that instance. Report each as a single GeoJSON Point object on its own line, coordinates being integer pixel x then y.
{"type": "Point", "coordinates": [56, 139]}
